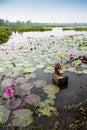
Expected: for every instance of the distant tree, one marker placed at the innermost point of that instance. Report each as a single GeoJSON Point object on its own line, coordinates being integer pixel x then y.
{"type": "Point", "coordinates": [28, 22]}
{"type": "Point", "coordinates": [2, 22]}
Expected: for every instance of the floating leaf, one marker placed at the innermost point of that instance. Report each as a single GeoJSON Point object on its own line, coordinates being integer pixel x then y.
{"type": "Point", "coordinates": [29, 70]}
{"type": "Point", "coordinates": [6, 83]}
{"type": "Point", "coordinates": [49, 69]}
{"type": "Point", "coordinates": [51, 89]}
{"type": "Point", "coordinates": [51, 96]}
{"type": "Point", "coordinates": [13, 103]}
{"type": "Point", "coordinates": [32, 98]}
{"type": "Point", "coordinates": [71, 69]}
{"type": "Point", "coordinates": [61, 55]}
{"type": "Point", "coordinates": [39, 83]}
{"type": "Point", "coordinates": [26, 86]}
{"type": "Point", "coordinates": [48, 111]}
{"type": "Point", "coordinates": [46, 102]}
{"type": "Point", "coordinates": [17, 69]}
{"type": "Point", "coordinates": [29, 76]}
{"type": "Point", "coordinates": [24, 93]}
{"type": "Point", "coordinates": [21, 80]}
{"type": "Point", "coordinates": [40, 66]}
{"type": "Point", "coordinates": [78, 72]}
{"type": "Point", "coordinates": [2, 69]}
{"type": "Point", "coordinates": [22, 118]}
{"type": "Point", "coordinates": [77, 62]}
{"type": "Point", "coordinates": [84, 71]}
{"type": "Point", "coordinates": [4, 114]}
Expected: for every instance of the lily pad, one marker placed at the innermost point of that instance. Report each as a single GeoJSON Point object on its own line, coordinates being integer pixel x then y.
{"type": "Point", "coordinates": [49, 69]}
{"type": "Point", "coordinates": [29, 76]}
{"type": "Point", "coordinates": [61, 55]}
{"type": "Point", "coordinates": [51, 96]}
{"type": "Point", "coordinates": [17, 69]}
{"type": "Point", "coordinates": [39, 83]}
{"type": "Point", "coordinates": [46, 102]}
{"type": "Point", "coordinates": [51, 89]}
{"type": "Point", "coordinates": [32, 98]}
{"type": "Point", "coordinates": [6, 82]}
{"type": "Point", "coordinates": [29, 70]}
{"type": "Point", "coordinates": [40, 66]}
{"type": "Point", "coordinates": [21, 80]}
{"type": "Point", "coordinates": [22, 118]}
{"type": "Point", "coordinates": [13, 103]}
{"type": "Point", "coordinates": [84, 71]}
{"type": "Point", "coordinates": [77, 62]}
{"type": "Point", "coordinates": [2, 69]}
{"type": "Point", "coordinates": [26, 86]}
{"type": "Point", "coordinates": [24, 93]}
{"type": "Point", "coordinates": [4, 114]}
{"type": "Point", "coordinates": [48, 111]}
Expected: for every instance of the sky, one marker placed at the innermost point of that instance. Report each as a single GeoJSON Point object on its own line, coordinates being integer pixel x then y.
{"type": "Point", "coordinates": [49, 11]}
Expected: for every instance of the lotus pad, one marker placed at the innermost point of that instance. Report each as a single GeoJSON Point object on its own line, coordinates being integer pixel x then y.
{"type": "Point", "coordinates": [22, 118]}
{"type": "Point", "coordinates": [26, 86]}
{"type": "Point", "coordinates": [29, 70]}
{"type": "Point", "coordinates": [48, 111]}
{"type": "Point", "coordinates": [13, 103]}
{"type": "Point", "coordinates": [32, 98]}
{"type": "Point", "coordinates": [39, 83]}
{"type": "Point", "coordinates": [4, 114]}
{"type": "Point", "coordinates": [51, 89]}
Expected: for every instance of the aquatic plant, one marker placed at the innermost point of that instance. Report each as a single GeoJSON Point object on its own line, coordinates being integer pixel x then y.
{"type": "Point", "coordinates": [22, 118]}
{"type": "Point", "coordinates": [4, 114]}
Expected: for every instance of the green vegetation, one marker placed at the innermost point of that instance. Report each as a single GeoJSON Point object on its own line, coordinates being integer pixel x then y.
{"type": "Point", "coordinates": [30, 28]}
{"type": "Point", "coordinates": [4, 34]}
{"type": "Point", "coordinates": [80, 29]}
{"type": "Point", "coordinates": [75, 28]}
{"type": "Point", "coordinates": [67, 28]}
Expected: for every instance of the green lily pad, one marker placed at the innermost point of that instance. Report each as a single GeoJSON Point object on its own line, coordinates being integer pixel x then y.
{"type": "Point", "coordinates": [77, 62]}
{"type": "Point", "coordinates": [84, 71]}
{"type": "Point", "coordinates": [49, 69]}
{"type": "Point", "coordinates": [22, 118]}
{"type": "Point", "coordinates": [71, 69]}
{"type": "Point", "coordinates": [31, 75]}
{"type": "Point", "coordinates": [4, 114]}
{"type": "Point", "coordinates": [48, 111]}
{"type": "Point", "coordinates": [51, 96]}
{"type": "Point", "coordinates": [40, 66]}
{"type": "Point", "coordinates": [39, 83]}
{"type": "Point", "coordinates": [79, 72]}
{"type": "Point", "coordinates": [61, 55]}
{"type": "Point", "coordinates": [51, 89]}
{"type": "Point", "coordinates": [46, 102]}
{"type": "Point", "coordinates": [29, 70]}
{"type": "Point", "coordinates": [2, 69]}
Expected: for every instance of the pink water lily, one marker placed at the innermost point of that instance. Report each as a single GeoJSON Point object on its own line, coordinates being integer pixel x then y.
{"type": "Point", "coordinates": [71, 55]}
{"type": "Point", "coordinates": [13, 84]}
{"type": "Point", "coordinates": [9, 91]}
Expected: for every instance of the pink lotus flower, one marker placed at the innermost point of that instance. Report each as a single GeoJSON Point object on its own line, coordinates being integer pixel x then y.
{"type": "Point", "coordinates": [71, 55]}
{"type": "Point", "coordinates": [13, 84]}
{"type": "Point", "coordinates": [9, 91]}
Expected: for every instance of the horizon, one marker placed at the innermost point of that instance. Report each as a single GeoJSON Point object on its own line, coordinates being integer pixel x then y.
{"type": "Point", "coordinates": [44, 11]}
